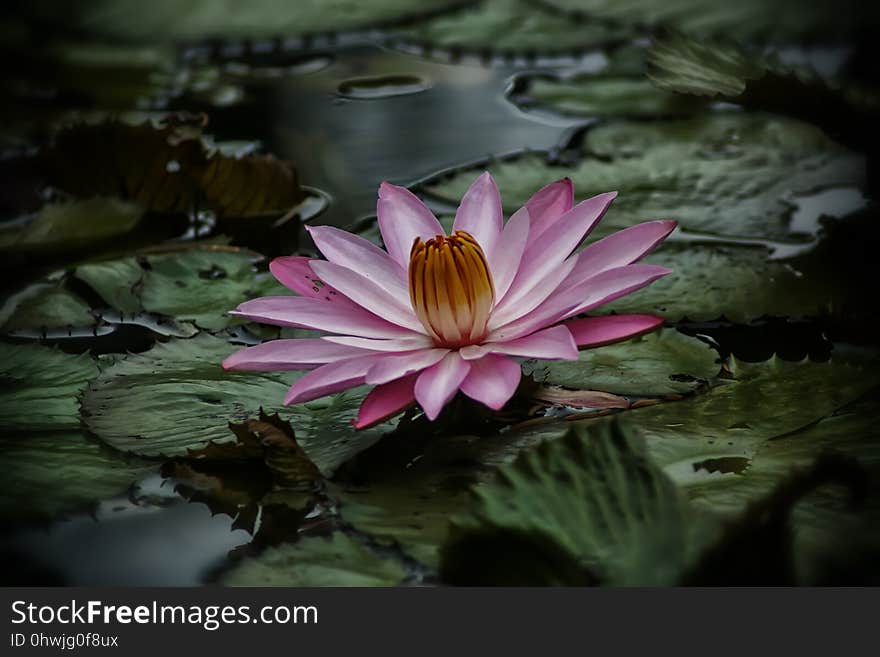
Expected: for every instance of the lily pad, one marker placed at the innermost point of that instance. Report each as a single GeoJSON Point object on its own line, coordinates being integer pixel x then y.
{"type": "Point", "coordinates": [727, 174]}
{"type": "Point", "coordinates": [657, 364]}
{"type": "Point", "coordinates": [604, 95]}
{"type": "Point", "coordinates": [167, 21]}
{"type": "Point", "coordinates": [747, 20]}
{"type": "Point", "coordinates": [510, 26]}
{"type": "Point", "coordinates": [597, 496]}
{"type": "Point", "coordinates": [335, 561]}
{"type": "Point", "coordinates": [724, 427]}
{"type": "Point", "coordinates": [59, 472]}
{"type": "Point", "coordinates": [740, 283]}
{"type": "Point", "coordinates": [40, 387]}
{"type": "Point", "coordinates": [72, 225]}
{"type": "Point", "coordinates": [197, 285]}
{"type": "Point", "coordinates": [176, 400]}
{"type": "Point", "coordinates": [45, 305]}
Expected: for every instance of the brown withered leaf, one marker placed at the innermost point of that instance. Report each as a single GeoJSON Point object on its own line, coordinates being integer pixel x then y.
{"type": "Point", "coordinates": [168, 167]}
{"type": "Point", "coordinates": [290, 465]}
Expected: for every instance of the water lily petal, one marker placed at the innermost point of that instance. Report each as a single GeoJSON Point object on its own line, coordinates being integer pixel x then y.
{"type": "Point", "coordinates": [621, 248]}
{"type": "Point", "coordinates": [508, 253]}
{"type": "Point", "coordinates": [386, 400]}
{"type": "Point", "coordinates": [362, 256]}
{"type": "Point", "coordinates": [292, 354]}
{"type": "Point", "coordinates": [320, 315]}
{"type": "Point", "coordinates": [513, 307]}
{"type": "Point", "coordinates": [402, 218]}
{"type": "Point", "coordinates": [395, 366]}
{"type": "Point", "coordinates": [543, 256]}
{"type": "Point", "coordinates": [330, 378]}
{"type": "Point", "coordinates": [393, 344]}
{"type": "Point", "coordinates": [439, 383]}
{"type": "Point", "coordinates": [295, 273]}
{"type": "Point", "coordinates": [554, 343]}
{"type": "Point", "coordinates": [368, 294]}
{"type": "Point", "coordinates": [593, 292]}
{"type": "Point", "coordinates": [598, 331]}
{"type": "Point", "coordinates": [492, 380]}
{"type": "Point", "coordinates": [549, 203]}
{"type": "Point", "coordinates": [480, 214]}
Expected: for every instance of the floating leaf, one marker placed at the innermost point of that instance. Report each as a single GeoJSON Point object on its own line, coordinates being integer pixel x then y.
{"type": "Point", "coordinates": [603, 95]}
{"type": "Point", "coordinates": [728, 174]}
{"type": "Point", "coordinates": [167, 21]}
{"type": "Point", "coordinates": [510, 26]}
{"type": "Point", "coordinates": [594, 494]}
{"type": "Point", "coordinates": [73, 225]}
{"type": "Point", "coordinates": [48, 474]}
{"type": "Point", "coordinates": [176, 400]}
{"type": "Point", "coordinates": [45, 305]}
{"type": "Point", "coordinates": [748, 20]}
{"type": "Point", "coordinates": [336, 561]}
{"type": "Point", "coordinates": [40, 387]}
{"type": "Point", "coordinates": [657, 364]}
{"type": "Point", "coordinates": [740, 283]}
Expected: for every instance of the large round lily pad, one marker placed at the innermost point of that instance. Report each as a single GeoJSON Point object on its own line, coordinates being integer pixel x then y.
{"type": "Point", "coordinates": [176, 400]}
{"type": "Point", "coordinates": [726, 173]}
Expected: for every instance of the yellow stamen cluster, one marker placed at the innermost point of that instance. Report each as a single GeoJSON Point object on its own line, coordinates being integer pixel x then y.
{"type": "Point", "coordinates": [451, 289]}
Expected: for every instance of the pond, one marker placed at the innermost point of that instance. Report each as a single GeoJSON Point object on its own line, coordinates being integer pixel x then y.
{"type": "Point", "coordinates": [156, 160]}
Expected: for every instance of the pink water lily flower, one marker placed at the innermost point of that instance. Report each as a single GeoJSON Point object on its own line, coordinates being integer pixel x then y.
{"type": "Point", "coordinates": [435, 313]}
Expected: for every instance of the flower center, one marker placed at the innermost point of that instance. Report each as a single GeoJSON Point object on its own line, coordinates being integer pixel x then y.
{"type": "Point", "coordinates": [451, 288]}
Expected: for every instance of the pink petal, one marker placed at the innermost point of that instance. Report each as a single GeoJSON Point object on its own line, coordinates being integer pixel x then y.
{"type": "Point", "coordinates": [393, 344]}
{"type": "Point", "coordinates": [508, 253]}
{"type": "Point", "coordinates": [402, 218]}
{"type": "Point", "coordinates": [517, 304]}
{"type": "Point", "coordinates": [479, 213]}
{"type": "Point", "coordinates": [330, 378]}
{"type": "Point", "coordinates": [395, 366]}
{"type": "Point", "coordinates": [602, 288]}
{"type": "Point", "coordinates": [492, 381]}
{"type": "Point", "coordinates": [621, 248]}
{"type": "Point", "coordinates": [554, 343]}
{"type": "Point", "coordinates": [549, 204]}
{"type": "Point", "coordinates": [321, 315]}
{"type": "Point", "coordinates": [295, 273]}
{"type": "Point", "coordinates": [598, 331]}
{"type": "Point", "coordinates": [439, 383]}
{"type": "Point", "coordinates": [385, 401]}
{"type": "Point", "coordinates": [294, 354]}
{"type": "Point", "coordinates": [544, 255]}
{"type": "Point", "coordinates": [368, 294]}
{"type": "Point", "coordinates": [362, 256]}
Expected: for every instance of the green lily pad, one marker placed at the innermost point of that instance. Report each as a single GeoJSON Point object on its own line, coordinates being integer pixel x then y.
{"type": "Point", "coordinates": [594, 494]}
{"type": "Point", "coordinates": [727, 174]}
{"type": "Point", "coordinates": [510, 26]}
{"type": "Point", "coordinates": [167, 21]}
{"type": "Point", "coordinates": [737, 282]}
{"type": "Point", "coordinates": [176, 400]}
{"type": "Point", "coordinates": [197, 285]}
{"type": "Point", "coordinates": [606, 95]}
{"type": "Point", "coordinates": [747, 20]}
{"type": "Point", "coordinates": [49, 474]}
{"type": "Point", "coordinates": [40, 387]}
{"type": "Point", "coordinates": [662, 363]}
{"type": "Point", "coordinates": [723, 428]}
{"type": "Point", "coordinates": [45, 305]}
{"type": "Point", "coordinates": [72, 225]}
{"type": "Point", "coordinates": [335, 561]}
